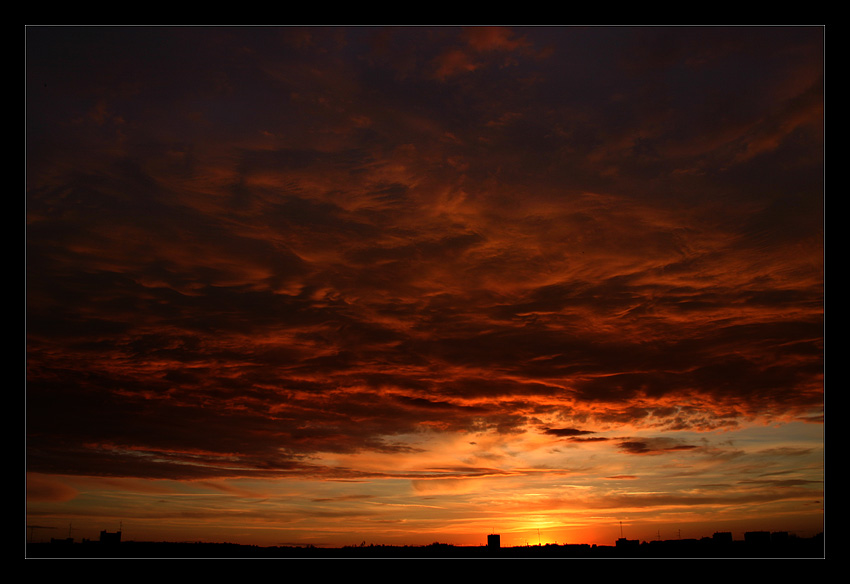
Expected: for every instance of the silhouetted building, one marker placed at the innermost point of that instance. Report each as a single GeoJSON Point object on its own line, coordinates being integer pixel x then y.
{"type": "Point", "coordinates": [62, 540]}
{"type": "Point", "coordinates": [722, 537]}
{"type": "Point", "coordinates": [624, 543]}
{"type": "Point", "coordinates": [757, 537]}
{"type": "Point", "coordinates": [494, 540]}
{"type": "Point", "coordinates": [779, 537]}
{"type": "Point", "coordinates": [107, 537]}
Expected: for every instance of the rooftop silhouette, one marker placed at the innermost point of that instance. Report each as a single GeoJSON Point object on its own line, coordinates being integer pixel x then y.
{"type": "Point", "coordinates": [756, 544]}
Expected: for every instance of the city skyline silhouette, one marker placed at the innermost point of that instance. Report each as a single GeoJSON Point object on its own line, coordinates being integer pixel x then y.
{"type": "Point", "coordinates": [755, 544]}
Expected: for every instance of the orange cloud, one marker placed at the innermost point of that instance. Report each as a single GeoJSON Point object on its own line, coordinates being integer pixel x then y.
{"type": "Point", "coordinates": [44, 488]}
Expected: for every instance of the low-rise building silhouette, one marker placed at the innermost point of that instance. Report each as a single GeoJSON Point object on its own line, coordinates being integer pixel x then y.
{"type": "Point", "coordinates": [757, 537]}
{"type": "Point", "coordinates": [110, 537]}
{"type": "Point", "coordinates": [779, 537]}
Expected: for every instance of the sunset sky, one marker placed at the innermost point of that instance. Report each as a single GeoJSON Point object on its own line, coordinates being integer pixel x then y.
{"type": "Point", "coordinates": [290, 286]}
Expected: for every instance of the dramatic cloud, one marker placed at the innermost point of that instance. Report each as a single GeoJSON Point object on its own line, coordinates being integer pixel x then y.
{"type": "Point", "coordinates": [435, 257]}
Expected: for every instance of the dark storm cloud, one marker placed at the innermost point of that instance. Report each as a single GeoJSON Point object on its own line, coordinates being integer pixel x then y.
{"type": "Point", "coordinates": [270, 242]}
{"type": "Point", "coordinates": [653, 446]}
{"type": "Point", "coordinates": [567, 432]}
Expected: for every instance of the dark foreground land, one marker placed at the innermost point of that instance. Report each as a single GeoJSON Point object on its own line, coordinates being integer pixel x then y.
{"type": "Point", "coordinates": [706, 548]}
